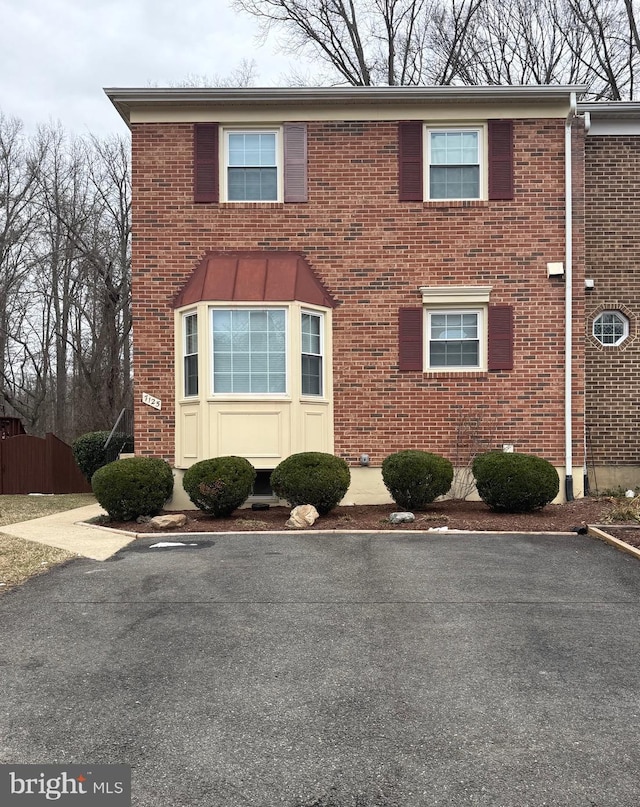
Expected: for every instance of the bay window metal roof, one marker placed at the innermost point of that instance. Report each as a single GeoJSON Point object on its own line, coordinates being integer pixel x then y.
{"type": "Point", "coordinates": [253, 277]}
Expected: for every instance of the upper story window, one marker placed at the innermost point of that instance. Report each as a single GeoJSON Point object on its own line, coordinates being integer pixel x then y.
{"type": "Point", "coordinates": [249, 350]}
{"type": "Point", "coordinates": [244, 164]}
{"type": "Point", "coordinates": [611, 328]}
{"type": "Point", "coordinates": [190, 343]}
{"type": "Point", "coordinates": [454, 160]}
{"type": "Point", "coordinates": [252, 166]}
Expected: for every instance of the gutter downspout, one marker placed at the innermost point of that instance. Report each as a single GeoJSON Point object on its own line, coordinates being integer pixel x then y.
{"type": "Point", "coordinates": [585, 471]}
{"type": "Point", "coordinates": [568, 292]}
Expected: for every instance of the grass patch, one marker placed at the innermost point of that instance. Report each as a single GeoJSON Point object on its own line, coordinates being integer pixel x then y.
{"type": "Point", "coordinates": [21, 559]}
{"type": "Point", "coordinates": [23, 508]}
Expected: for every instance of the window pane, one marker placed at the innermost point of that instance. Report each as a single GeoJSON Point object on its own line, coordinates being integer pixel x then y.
{"type": "Point", "coordinates": [252, 149]}
{"type": "Point", "coordinates": [610, 328]}
{"type": "Point", "coordinates": [454, 165]}
{"type": "Point", "coordinates": [454, 183]}
{"type": "Point", "coordinates": [311, 354]}
{"type": "Point", "coordinates": [277, 382]}
{"type": "Point", "coordinates": [454, 339]}
{"type": "Point", "coordinates": [251, 356]}
{"type": "Point", "coordinates": [311, 375]}
{"type": "Point", "coordinates": [277, 363]}
{"type": "Point", "coordinates": [190, 375]}
{"type": "Point", "coordinates": [190, 365]}
{"type": "Point", "coordinates": [252, 184]}
{"type": "Point", "coordinates": [310, 334]}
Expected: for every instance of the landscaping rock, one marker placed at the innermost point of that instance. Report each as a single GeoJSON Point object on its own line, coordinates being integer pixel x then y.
{"type": "Point", "coordinates": [401, 518]}
{"type": "Point", "coordinates": [168, 522]}
{"type": "Point", "coordinates": [302, 516]}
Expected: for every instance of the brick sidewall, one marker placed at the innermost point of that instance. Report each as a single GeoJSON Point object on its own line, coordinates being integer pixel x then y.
{"type": "Point", "coordinates": [612, 243]}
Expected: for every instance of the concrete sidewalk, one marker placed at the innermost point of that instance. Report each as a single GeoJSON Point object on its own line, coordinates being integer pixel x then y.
{"type": "Point", "coordinates": [67, 530]}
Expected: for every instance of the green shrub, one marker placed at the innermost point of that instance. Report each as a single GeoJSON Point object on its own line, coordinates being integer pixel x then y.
{"type": "Point", "coordinates": [515, 483]}
{"type": "Point", "coordinates": [312, 478]}
{"type": "Point", "coordinates": [90, 453]}
{"type": "Point", "coordinates": [136, 486]}
{"type": "Point", "coordinates": [219, 485]}
{"type": "Point", "coordinates": [415, 478]}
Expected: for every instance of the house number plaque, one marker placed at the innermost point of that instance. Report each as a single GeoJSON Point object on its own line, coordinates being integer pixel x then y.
{"type": "Point", "coordinates": [156, 403]}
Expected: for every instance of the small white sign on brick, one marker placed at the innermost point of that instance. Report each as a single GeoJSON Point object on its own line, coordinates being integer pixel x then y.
{"type": "Point", "coordinates": [156, 403]}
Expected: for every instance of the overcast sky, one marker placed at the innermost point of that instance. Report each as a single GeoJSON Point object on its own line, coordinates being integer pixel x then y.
{"type": "Point", "coordinates": [57, 55]}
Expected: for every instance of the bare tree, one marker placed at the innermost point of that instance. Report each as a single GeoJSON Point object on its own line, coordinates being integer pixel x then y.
{"type": "Point", "coordinates": [374, 42]}
{"type": "Point", "coordinates": [17, 188]}
{"type": "Point", "coordinates": [244, 75]}
{"type": "Point", "coordinates": [65, 317]}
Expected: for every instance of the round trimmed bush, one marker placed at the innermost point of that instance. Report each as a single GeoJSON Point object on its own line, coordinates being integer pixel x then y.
{"type": "Point", "coordinates": [515, 483]}
{"type": "Point", "coordinates": [219, 485]}
{"type": "Point", "coordinates": [90, 454]}
{"type": "Point", "coordinates": [135, 486]}
{"type": "Point", "coordinates": [312, 477]}
{"type": "Point", "coordinates": [415, 478]}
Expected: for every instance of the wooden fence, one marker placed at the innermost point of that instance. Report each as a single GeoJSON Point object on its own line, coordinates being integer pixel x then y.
{"type": "Point", "coordinates": [39, 465]}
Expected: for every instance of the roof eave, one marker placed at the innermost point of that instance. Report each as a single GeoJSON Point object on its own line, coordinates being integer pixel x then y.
{"type": "Point", "coordinates": [125, 99]}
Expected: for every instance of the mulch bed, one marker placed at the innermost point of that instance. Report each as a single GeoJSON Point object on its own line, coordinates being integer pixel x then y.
{"type": "Point", "coordinates": [452, 514]}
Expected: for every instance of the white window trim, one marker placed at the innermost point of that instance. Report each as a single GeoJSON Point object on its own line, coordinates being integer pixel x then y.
{"type": "Point", "coordinates": [185, 316]}
{"type": "Point", "coordinates": [456, 300]}
{"type": "Point", "coordinates": [224, 163]}
{"type": "Point", "coordinates": [625, 323]}
{"type": "Point", "coordinates": [483, 156]}
{"type": "Point", "coordinates": [323, 381]}
{"type": "Point", "coordinates": [253, 396]}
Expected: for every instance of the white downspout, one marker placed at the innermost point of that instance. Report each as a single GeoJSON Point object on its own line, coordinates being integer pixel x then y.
{"type": "Point", "coordinates": [568, 292]}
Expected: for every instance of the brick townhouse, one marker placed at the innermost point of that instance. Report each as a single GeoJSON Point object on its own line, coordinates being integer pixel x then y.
{"type": "Point", "coordinates": [358, 271]}
{"type": "Point", "coordinates": [612, 355]}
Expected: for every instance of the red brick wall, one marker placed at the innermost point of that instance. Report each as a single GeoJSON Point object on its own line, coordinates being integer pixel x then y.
{"type": "Point", "coordinates": [373, 252]}
{"type": "Point", "coordinates": [612, 244]}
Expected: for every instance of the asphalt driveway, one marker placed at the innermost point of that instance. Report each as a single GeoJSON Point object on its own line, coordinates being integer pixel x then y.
{"type": "Point", "coordinates": [335, 671]}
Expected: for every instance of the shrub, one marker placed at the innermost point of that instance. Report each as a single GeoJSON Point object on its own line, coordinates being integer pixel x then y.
{"type": "Point", "coordinates": [415, 478]}
{"type": "Point", "coordinates": [90, 453]}
{"type": "Point", "coordinates": [515, 483]}
{"type": "Point", "coordinates": [312, 478]}
{"type": "Point", "coordinates": [136, 486]}
{"type": "Point", "coordinates": [219, 485]}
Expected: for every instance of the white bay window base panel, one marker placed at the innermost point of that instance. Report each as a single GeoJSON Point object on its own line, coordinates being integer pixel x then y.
{"type": "Point", "coordinates": [260, 435]}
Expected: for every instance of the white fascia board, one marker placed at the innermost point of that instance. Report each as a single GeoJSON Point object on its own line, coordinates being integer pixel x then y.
{"type": "Point", "coordinates": [127, 99]}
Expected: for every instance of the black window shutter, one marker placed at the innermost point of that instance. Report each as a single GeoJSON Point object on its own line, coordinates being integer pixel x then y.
{"type": "Point", "coordinates": [500, 332]}
{"type": "Point", "coordinates": [295, 162]}
{"type": "Point", "coordinates": [410, 161]}
{"type": "Point", "coordinates": [500, 159]}
{"type": "Point", "coordinates": [205, 161]}
{"type": "Point", "coordinates": [410, 339]}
